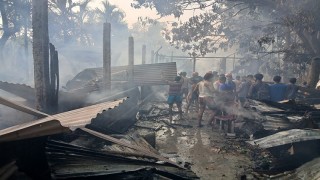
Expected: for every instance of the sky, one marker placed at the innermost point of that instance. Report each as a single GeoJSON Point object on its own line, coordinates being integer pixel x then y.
{"type": "Point", "coordinates": [133, 14]}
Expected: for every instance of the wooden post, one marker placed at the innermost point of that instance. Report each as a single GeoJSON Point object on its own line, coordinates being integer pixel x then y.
{"type": "Point", "coordinates": [54, 80]}
{"type": "Point", "coordinates": [157, 58]}
{"type": "Point", "coordinates": [107, 56]}
{"type": "Point", "coordinates": [234, 61]}
{"type": "Point", "coordinates": [152, 57]}
{"type": "Point", "coordinates": [223, 65]}
{"type": "Point", "coordinates": [143, 54]}
{"type": "Point", "coordinates": [171, 59]}
{"type": "Point", "coordinates": [131, 61]}
{"type": "Point", "coordinates": [194, 64]}
{"type": "Point", "coordinates": [41, 53]}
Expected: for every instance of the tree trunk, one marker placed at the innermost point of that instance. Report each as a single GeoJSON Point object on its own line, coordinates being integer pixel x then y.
{"type": "Point", "coordinates": [41, 52]}
{"type": "Point", "coordinates": [314, 72]}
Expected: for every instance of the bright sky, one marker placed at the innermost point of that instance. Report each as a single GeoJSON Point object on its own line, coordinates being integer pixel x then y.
{"type": "Point", "coordinates": [132, 14]}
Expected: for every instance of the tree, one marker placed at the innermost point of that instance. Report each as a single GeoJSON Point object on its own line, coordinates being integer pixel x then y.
{"type": "Point", "coordinates": [13, 13]}
{"type": "Point", "coordinates": [293, 25]}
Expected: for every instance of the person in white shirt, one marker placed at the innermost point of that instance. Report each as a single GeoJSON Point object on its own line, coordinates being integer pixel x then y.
{"type": "Point", "coordinates": [206, 97]}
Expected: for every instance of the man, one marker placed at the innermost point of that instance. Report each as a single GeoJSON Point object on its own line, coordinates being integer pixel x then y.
{"type": "Point", "coordinates": [175, 96]}
{"type": "Point", "coordinates": [277, 90]}
{"type": "Point", "coordinates": [184, 84]}
{"type": "Point", "coordinates": [292, 89]}
{"type": "Point", "coordinates": [243, 90]}
{"type": "Point", "coordinates": [206, 97]}
{"type": "Point", "coordinates": [237, 81]}
{"type": "Point", "coordinates": [230, 82]}
{"type": "Point", "coordinates": [194, 94]}
{"type": "Point", "coordinates": [259, 90]}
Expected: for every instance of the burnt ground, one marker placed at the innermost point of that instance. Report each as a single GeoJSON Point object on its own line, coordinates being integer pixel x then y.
{"type": "Point", "coordinates": [210, 153]}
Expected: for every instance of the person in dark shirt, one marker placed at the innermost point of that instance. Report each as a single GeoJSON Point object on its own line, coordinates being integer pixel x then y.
{"type": "Point", "coordinates": [193, 94]}
{"type": "Point", "coordinates": [277, 90]}
{"type": "Point", "coordinates": [292, 89]}
{"type": "Point", "coordinates": [259, 90]}
{"type": "Point", "coordinates": [175, 96]}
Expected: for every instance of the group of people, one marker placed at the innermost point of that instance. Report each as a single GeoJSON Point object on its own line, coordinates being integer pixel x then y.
{"type": "Point", "coordinates": [220, 92]}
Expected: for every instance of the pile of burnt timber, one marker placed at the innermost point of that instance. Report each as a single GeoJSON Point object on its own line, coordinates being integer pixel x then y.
{"type": "Point", "coordinates": [286, 133]}
{"type": "Point", "coordinates": [259, 119]}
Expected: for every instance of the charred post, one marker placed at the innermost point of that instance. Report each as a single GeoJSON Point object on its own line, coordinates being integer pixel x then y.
{"type": "Point", "coordinates": [54, 79]}
{"type": "Point", "coordinates": [152, 57]}
{"type": "Point", "coordinates": [144, 48]}
{"type": "Point", "coordinates": [223, 65]}
{"type": "Point", "coordinates": [41, 52]}
{"type": "Point", "coordinates": [131, 61]}
{"type": "Point", "coordinates": [194, 64]}
{"type": "Point", "coordinates": [107, 56]}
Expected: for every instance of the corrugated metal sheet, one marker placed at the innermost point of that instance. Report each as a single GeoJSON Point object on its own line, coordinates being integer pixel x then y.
{"type": "Point", "coordinates": [58, 123]}
{"type": "Point", "coordinates": [21, 90]}
{"type": "Point", "coordinates": [68, 160]}
{"type": "Point", "coordinates": [310, 171]}
{"type": "Point", "coordinates": [8, 170]}
{"type": "Point", "coordinates": [144, 74]}
{"type": "Point", "coordinates": [287, 137]}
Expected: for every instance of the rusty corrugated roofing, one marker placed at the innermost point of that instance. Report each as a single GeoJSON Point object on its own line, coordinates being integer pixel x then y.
{"type": "Point", "coordinates": [287, 137]}
{"type": "Point", "coordinates": [58, 123]}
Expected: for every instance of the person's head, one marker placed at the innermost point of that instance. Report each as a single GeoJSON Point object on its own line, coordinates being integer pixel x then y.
{"type": "Point", "coordinates": [215, 73]}
{"type": "Point", "coordinates": [208, 76]}
{"type": "Point", "coordinates": [229, 76]}
{"type": "Point", "coordinates": [293, 80]}
{"type": "Point", "coordinates": [195, 74]}
{"type": "Point", "coordinates": [177, 78]}
{"type": "Point", "coordinates": [277, 79]}
{"type": "Point", "coordinates": [238, 78]}
{"type": "Point", "coordinates": [250, 77]}
{"type": "Point", "coordinates": [222, 75]}
{"type": "Point", "coordinates": [222, 79]}
{"type": "Point", "coordinates": [243, 78]}
{"type": "Point", "coordinates": [183, 74]}
{"type": "Point", "coordinates": [304, 83]}
{"type": "Point", "coordinates": [258, 77]}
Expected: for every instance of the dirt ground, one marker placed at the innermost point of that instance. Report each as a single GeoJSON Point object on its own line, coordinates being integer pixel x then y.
{"type": "Point", "coordinates": [210, 153]}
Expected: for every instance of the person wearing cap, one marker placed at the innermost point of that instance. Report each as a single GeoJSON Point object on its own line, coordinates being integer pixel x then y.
{"type": "Point", "coordinates": [194, 93]}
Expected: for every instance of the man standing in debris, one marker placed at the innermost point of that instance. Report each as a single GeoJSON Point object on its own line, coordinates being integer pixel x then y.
{"type": "Point", "coordinates": [175, 96]}
{"type": "Point", "coordinates": [242, 91]}
{"type": "Point", "coordinates": [277, 90]}
{"type": "Point", "coordinates": [206, 97]}
{"type": "Point", "coordinates": [185, 81]}
{"type": "Point", "coordinates": [259, 90]}
{"type": "Point", "coordinates": [194, 93]}
{"type": "Point", "coordinates": [292, 89]}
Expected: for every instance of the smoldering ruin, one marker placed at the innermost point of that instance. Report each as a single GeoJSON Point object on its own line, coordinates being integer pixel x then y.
{"type": "Point", "coordinates": [93, 98]}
